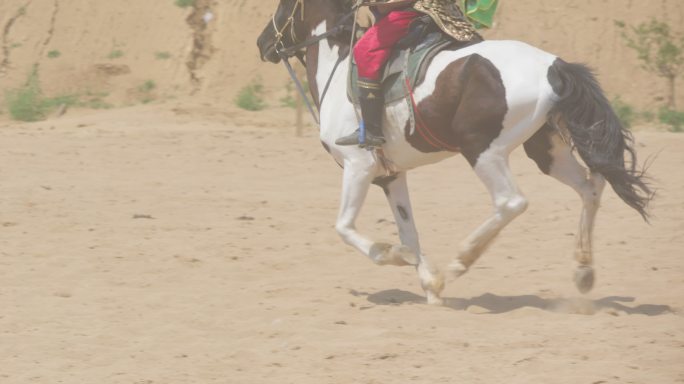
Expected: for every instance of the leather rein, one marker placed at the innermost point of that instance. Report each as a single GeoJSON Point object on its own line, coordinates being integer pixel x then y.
{"type": "Point", "coordinates": [295, 50]}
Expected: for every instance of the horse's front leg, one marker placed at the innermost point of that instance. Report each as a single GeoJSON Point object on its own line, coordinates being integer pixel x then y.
{"type": "Point", "coordinates": [358, 175]}
{"type": "Point", "coordinates": [396, 190]}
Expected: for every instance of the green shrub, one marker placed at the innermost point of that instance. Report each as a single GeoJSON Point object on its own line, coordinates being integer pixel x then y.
{"type": "Point", "coordinates": [624, 112]}
{"type": "Point", "coordinates": [29, 104]}
{"type": "Point", "coordinates": [675, 119]}
{"type": "Point", "coordinates": [147, 86]}
{"type": "Point", "coordinates": [185, 3]}
{"type": "Point", "coordinates": [115, 54]}
{"type": "Point", "coordinates": [96, 102]}
{"type": "Point", "coordinates": [54, 102]}
{"type": "Point", "coordinates": [26, 103]}
{"type": "Point", "coordinates": [647, 116]}
{"type": "Point", "coordinates": [162, 55]}
{"type": "Point", "coordinates": [289, 100]}
{"type": "Point", "coordinates": [250, 96]}
{"type": "Point", "coordinates": [54, 54]}
{"type": "Point", "coordinates": [660, 50]}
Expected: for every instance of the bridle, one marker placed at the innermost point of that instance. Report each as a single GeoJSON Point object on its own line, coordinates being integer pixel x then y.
{"type": "Point", "coordinates": [279, 45]}
{"type": "Point", "coordinates": [296, 49]}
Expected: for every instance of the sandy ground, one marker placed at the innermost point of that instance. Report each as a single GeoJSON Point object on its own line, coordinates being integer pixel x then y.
{"type": "Point", "coordinates": [192, 243]}
{"type": "Point", "coordinates": [182, 244]}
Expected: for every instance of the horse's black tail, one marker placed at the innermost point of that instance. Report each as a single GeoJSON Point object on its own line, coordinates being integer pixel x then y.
{"type": "Point", "coordinates": [602, 142]}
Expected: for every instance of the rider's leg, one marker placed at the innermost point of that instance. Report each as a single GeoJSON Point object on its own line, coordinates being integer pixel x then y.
{"type": "Point", "coordinates": [371, 53]}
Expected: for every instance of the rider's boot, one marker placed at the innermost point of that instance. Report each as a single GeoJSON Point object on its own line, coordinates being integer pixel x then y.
{"type": "Point", "coordinates": [372, 109]}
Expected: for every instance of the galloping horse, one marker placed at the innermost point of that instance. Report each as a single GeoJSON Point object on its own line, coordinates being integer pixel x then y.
{"type": "Point", "coordinates": [482, 101]}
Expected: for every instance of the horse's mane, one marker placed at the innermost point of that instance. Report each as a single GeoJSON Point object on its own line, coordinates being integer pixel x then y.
{"type": "Point", "coordinates": [345, 5]}
{"type": "Point", "coordinates": [343, 8]}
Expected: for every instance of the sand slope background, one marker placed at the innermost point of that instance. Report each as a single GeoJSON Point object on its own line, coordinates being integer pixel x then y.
{"type": "Point", "coordinates": [187, 241]}
{"type": "Point", "coordinates": [218, 58]}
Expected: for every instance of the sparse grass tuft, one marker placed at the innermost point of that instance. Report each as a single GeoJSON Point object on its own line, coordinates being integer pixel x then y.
{"type": "Point", "coordinates": [147, 86]}
{"type": "Point", "coordinates": [251, 97]}
{"type": "Point", "coordinates": [95, 100]}
{"type": "Point", "coordinates": [162, 55]}
{"type": "Point", "coordinates": [145, 89]}
{"type": "Point", "coordinates": [624, 112]}
{"type": "Point", "coordinates": [54, 102]}
{"type": "Point", "coordinates": [28, 103]}
{"type": "Point", "coordinates": [185, 3]}
{"type": "Point", "coordinates": [673, 118]}
{"type": "Point", "coordinates": [98, 104]}
{"type": "Point", "coordinates": [115, 54]}
{"type": "Point", "coordinates": [647, 116]}
{"type": "Point", "coordinates": [289, 100]}
{"type": "Point", "coordinates": [54, 54]}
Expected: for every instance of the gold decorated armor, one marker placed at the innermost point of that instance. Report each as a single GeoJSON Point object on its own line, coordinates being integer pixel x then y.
{"type": "Point", "coordinates": [445, 13]}
{"type": "Point", "coordinates": [448, 17]}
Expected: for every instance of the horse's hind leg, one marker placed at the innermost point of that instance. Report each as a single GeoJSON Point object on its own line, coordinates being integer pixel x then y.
{"type": "Point", "coordinates": [492, 168]}
{"type": "Point", "coordinates": [554, 157]}
{"type": "Point", "coordinates": [396, 190]}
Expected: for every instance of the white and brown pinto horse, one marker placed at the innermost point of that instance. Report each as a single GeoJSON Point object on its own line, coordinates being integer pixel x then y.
{"type": "Point", "coordinates": [482, 101]}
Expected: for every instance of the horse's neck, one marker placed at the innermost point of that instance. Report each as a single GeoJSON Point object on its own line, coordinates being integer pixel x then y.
{"type": "Point", "coordinates": [323, 61]}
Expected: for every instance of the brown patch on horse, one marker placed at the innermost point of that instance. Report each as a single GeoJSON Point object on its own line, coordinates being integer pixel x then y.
{"type": "Point", "coordinates": [538, 148]}
{"type": "Point", "coordinates": [465, 112]}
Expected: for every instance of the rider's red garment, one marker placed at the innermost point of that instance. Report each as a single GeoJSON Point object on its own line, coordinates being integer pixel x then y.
{"type": "Point", "coordinates": [373, 50]}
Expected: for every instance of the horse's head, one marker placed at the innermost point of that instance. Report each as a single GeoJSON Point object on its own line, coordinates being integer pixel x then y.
{"type": "Point", "coordinates": [285, 29]}
{"type": "Point", "coordinates": [293, 22]}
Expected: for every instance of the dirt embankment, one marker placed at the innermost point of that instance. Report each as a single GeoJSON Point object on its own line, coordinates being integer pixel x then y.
{"type": "Point", "coordinates": [208, 49]}
{"type": "Point", "coordinates": [113, 49]}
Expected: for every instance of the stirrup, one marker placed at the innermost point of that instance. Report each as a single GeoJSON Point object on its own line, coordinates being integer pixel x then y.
{"type": "Point", "coordinates": [371, 141]}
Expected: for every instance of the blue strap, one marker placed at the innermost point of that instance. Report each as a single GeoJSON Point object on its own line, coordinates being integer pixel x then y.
{"type": "Point", "coordinates": [362, 132]}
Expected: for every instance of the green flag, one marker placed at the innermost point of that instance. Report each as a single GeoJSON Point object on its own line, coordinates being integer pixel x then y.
{"type": "Point", "coordinates": [480, 12]}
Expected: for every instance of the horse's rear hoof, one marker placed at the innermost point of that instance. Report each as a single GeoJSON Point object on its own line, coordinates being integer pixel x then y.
{"type": "Point", "coordinates": [435, 300]}
{"type": "Point", "coordinates": [584, 278]}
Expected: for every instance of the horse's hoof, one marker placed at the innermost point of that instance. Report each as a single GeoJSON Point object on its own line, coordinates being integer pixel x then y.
{"type": "Point", "coordinates": [584, 278]}
{"type": "Point", "coordinates": [431, 280]}
{"type": "Point", "coordinates": [433, 299]}
{"type": "Point", "coordinates": [399, 255]}
{"type": "Point", "coordinates": [457, 268]}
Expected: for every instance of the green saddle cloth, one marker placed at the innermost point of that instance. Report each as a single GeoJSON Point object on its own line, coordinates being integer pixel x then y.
{"type": "Point", "coordinates": [415, 60]}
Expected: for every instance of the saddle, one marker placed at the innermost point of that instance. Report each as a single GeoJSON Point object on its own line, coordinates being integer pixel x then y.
{"type": "Point", "coordinates": [410, 60]}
